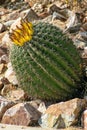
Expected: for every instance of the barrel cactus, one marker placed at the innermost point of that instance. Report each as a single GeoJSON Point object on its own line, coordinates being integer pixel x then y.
{"type": "Point", "coordinates": [47, 64]}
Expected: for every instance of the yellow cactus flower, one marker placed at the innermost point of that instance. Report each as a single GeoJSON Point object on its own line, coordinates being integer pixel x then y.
{"type": "Point", "coordinates": [23, 34]}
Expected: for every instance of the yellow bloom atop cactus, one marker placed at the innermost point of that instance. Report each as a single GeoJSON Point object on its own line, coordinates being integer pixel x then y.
{"type": "Point", "coordinates": [23, 34]}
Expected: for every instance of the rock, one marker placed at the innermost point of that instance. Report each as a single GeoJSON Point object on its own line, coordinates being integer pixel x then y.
{"type": "Point", "coordinates": [16, 95]}
{"type": "Point", "coordinates": [31, 15]}
{"type": "Point", "coordinates": [13, 15]}
{"type": "Point", "coordinates": [3, 51]}
{"type": "Point", "coordinates": [1, 85]}
{"type": "Point", "coordinates": [35, 103]}
{"type": "Point", "coordinates": [58, 16]}
{"type": "Point", "coordinates": [6, 41]}
{"type": "Point", "coordinates": [54, 8]}
{"type": "Point", "coordinates": [74, 28]}
{"type": "Point", "coordinates": [15, 24]}
{"type": "Point", "coordinates": [4, 105]}
{"type": "Point", "coordinates": [63, 12]}
{"type": "Point", "coordinates": [42, 107]}
{"type": "Point", "coordinates": [84, 54]}
{"type": "Point", "coordinates": [72, 21]}
{"type": "Point", "coordinates": [2, 28]}
{"type": "Point", "coordinates": [79, 44]}
{"type": "Point", "coordinates": [10, 75]}
{"type": "Point", "coordinates": [4, 59]}
{"type": "Point", "coordinates": [5, 81]}
{"type": "Point", "coordinates": [7, 89]}
{"type": "Point", "coordinates": [84, 120]}
{"type": "Point", "coordinates": [3, 67]}
{"type": "Point", "coordinates": [63, 114]}
{"type": "Point", "coordinates": [84, 26]}
{"type": "Point", "coordinates": [9, 23]}
{"type": "Point", "coordinates": [21, 114]}
{"type": "Point", "coordinates": [38, 8]}
{"type": "Point", "coordinates": [84, 35]}
{"type": "Point", "coordinates": [1, 36]}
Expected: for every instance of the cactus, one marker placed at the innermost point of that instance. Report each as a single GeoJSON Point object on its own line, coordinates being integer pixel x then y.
{"type": "Point", "coordinates": [47, 64]}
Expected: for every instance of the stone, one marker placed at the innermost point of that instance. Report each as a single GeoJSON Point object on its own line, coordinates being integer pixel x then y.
{"type": "Point", "coordinates": [84, 35]}
{"type": "Point", "coordinates": [63, 114]}
{"type": "Point", "coordinates": [58, 16]}
{"type": "Point", "coordinates": [2, 28]}
{"type": "Point", "coordinates": [84, 54]}
{"type": "Point", "coordinates": [1, 36]}
{"type": "Point", "coordinates": [15, 24]}
{"type": "Point", "coordinates": [6, 41]}
{"type": "Point", "coordinates": [4, 105]}
{"type": "Point", "coordinates": [13, 15]}
{"type": "Point", "coordinates": [21, 114]}
{"type": "Point", "coordinates": [84, 26]}
{"type": "Point", "coordinates": [16, 95]}
{"type": "Point", "coordinates": [79, 44]}
{"type": "Point", "coordinates": [84, 120]}
{"type": "Point", "coordinates": [72, 21]}
{"type": "Point", "coordinates": [1, 85]}
{"type": "Point", "coordinates": [38, 8]}
{"type": "Point", "coordinates": [7, 89]}
{"type": "Point", "coordinates": [3, 51]}
{"type": "Point", "coordinates": [2, 68]}
{"type": "Point", "coordinates": [31, 15]}
{"type": "Point", "coordinates": [42, 107]}
{"type": "Point", "coordinates": [10, 75]}
{"type": "Point", "coordinates": [9, 23]}
{"type": "Point", "coordinates": [4, 59]}
{"type": "Point", "coordinates": [5, 80]}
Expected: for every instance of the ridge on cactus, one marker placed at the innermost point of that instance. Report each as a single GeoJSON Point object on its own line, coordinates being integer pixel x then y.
{"type": "Point", "coordinates": [47, 64]}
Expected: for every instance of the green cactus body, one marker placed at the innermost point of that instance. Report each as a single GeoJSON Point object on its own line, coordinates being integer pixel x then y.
{"type": "Point", "coordinates": [49, 65]}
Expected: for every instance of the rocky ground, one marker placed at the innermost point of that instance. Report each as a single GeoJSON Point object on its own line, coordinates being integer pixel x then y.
{"type": "Point", "coordinates": [15, 105]}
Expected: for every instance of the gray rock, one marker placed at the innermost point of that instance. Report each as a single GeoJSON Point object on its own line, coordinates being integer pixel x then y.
{"type": "Point", "coordinates": [31, 15]}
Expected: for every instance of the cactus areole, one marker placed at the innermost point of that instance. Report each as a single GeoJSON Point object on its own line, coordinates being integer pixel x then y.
{"type": "Point", "coordinates": [47, 64]}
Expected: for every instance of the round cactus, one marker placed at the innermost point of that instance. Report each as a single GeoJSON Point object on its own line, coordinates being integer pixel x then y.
{"type": "Point", "coordinates": [47, 64]}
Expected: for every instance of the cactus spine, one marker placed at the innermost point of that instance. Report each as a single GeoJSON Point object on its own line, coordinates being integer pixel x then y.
{"type": "Point", "coordinates": [48, 66]}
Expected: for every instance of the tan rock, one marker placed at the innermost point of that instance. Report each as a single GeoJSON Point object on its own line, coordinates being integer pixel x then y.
{"type": "Point", "coordinates": [84, 120]}
{"type": "Point", "coordinates": [7, 89]}
{"type": "Point", "coordinates": [15, 24]}
{"type": "Point", "coordinates": [84, 26]}
{"type": "Point", "coordinates": [10, 75]}
{"type": "Point", "coordinates": [11, 16]}
{"type": "Point", "coordinates": [17, 95]}
{"type": "Point", "coordinates": [6, 41]}
{"type": "Point", "coordinates": [1, 36]}
{"type": "Point", "coordinates": [3, 67]}
{"type": "Point", "coordinates": [21, 114]}
{"type": "Point", "coordinates": [4, 59]}
{"type": "Point", "coordinates": [4, 105]}
{"type": "Point", "coordinates": [63, 114]}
